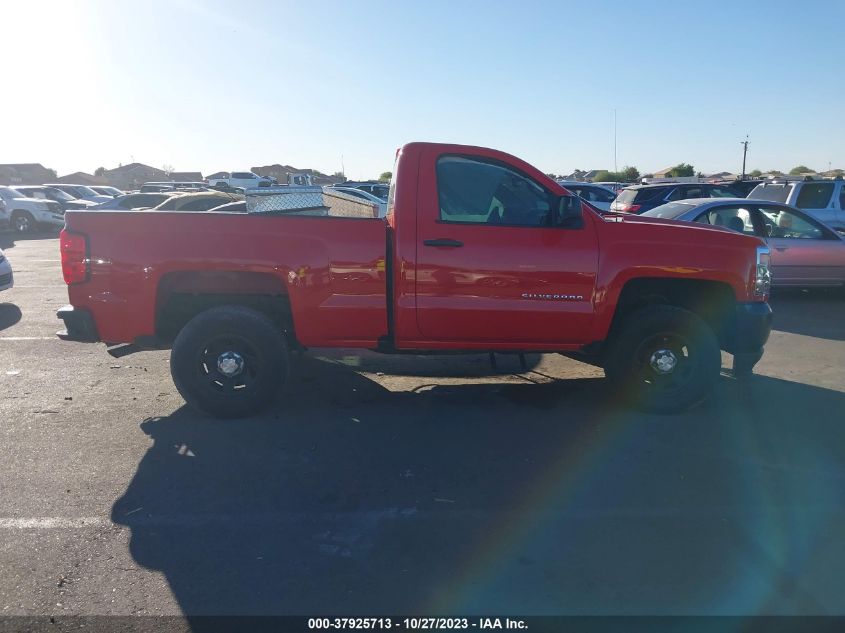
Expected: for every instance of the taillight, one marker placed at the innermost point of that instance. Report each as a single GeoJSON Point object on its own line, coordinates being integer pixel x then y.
{"type": "Point", "coordinates": [628, 208]}
{"type": "Point", "coordinates": [74, 249]}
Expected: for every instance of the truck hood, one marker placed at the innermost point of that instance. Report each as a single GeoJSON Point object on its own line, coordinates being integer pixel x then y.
{"type": "Point", "coordinates": [684, 230]}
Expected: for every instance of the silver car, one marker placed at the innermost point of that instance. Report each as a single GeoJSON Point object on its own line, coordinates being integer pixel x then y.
{"type": "Point", "coordinates": [804, 251]}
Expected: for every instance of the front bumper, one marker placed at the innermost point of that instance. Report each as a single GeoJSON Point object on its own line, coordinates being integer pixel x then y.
{"type": "Point", "coordinates": [751, 327]}
{"type": "Point", "coordinates": [79, 325]}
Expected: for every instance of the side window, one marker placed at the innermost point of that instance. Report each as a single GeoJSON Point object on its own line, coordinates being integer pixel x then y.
{"type": "Point", "coordinates": [129, 203]}
{"type": "Point", "coordinates": [694, 192]}
{"type": "Point", "coordinates": [600, 195]}
{"type": "Point", "coordinates": [478, 192]}
{"type": "Point", "coordinates": [842, 196]}
{"type": "Point", "coordinates": [202, 204]}
{"type": "Point", "coordinates": [814, 195]}
{"type": "Point", "coordinates": [783, 223]}
{"type": "Point", "coordinates": [718, 192]}
{"type": "Point", "coordinates": [734, 218]}
{"type": "Point", "coordinates": [677, 194]}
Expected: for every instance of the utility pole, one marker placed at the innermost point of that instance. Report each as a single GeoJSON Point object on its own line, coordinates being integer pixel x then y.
{"type": "Point", "coordinates": [615, 165]}
{"type": "Point", "coordinates": [744, 153]}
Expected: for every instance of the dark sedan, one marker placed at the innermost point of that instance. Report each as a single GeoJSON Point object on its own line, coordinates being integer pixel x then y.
{"type": "Point", "coordinates": [804, 251]}
{"type": "Point", "coordinates": [134, 201]}
{"type": "Point", "coordinates": [642, 198]}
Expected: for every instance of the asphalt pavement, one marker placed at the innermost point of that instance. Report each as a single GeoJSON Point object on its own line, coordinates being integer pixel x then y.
{"type": "Point", "coordinates": [431, 485]}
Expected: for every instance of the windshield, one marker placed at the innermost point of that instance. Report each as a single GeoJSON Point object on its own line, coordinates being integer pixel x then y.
{"type": "Point", "coordinates": [11, 193]}
{"type": "Point", "coordinates": [669, 211]}
{"type": "Point", "coordinates": [626, 196]}
{"type": "Point", "coordinates": [84, 191]}
{"type": "Point", "coordinates": [58, 194]}
{"type": "Point", "coordinates": [773, 193]}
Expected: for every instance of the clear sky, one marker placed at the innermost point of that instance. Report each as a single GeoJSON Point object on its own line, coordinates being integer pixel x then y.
{"type": "Point", "coordinates": [208, 85]}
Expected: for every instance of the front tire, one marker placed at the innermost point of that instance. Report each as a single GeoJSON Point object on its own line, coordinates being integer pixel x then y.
{"type": "Point", "coordinates": [229, 362]}
{"type": "Point", "coordinates": [664, 359]}
{"type": "Point", "coordinates": [23, 222]}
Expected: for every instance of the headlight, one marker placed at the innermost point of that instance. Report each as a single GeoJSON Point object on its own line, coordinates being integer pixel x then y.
{"type": "Point", "coordinates": [762, 274]}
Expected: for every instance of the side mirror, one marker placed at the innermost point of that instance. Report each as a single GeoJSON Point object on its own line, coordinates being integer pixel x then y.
{"type": "Point", "coordinates": [569, 212]}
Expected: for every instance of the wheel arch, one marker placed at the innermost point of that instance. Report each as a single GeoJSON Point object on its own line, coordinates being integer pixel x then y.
{"type": "Point", "coordinates": [713, 301]}
{"type": "Point", "coordinates": [181, 295]}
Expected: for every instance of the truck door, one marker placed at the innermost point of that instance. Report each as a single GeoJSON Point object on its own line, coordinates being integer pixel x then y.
{"type": "Point", "coordinates": [493, 268]}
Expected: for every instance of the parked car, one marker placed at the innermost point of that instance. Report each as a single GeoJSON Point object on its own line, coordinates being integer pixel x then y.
{"type": "Point", "coordinates": [81, 192]}
{"type": "Point", "coordinates": [740, 188]}
{"type": "Point", "coordinates": [483, 253]}
{"type": "Point", "coordinates": [134, 201]}
{"type": "Point", "coordinates": [56, 195]}
{"type": "Point", "coordinates": [114, 192]}
{"type": "Point", "coordinates": [230, 207]}
{"type": "Point", "coordinates": [804, 251]}
{"type": "Point", "coordinates": [642, 198]}
{"type": "Point", "coordinates": [7, 279]}
{"type": "Point", "coordinates": [365, 195]}
{"type": "Point", "coordinates": [598, 196]}
{"type": "Point", "coordinates": [26, 214]}
{"type": "Point", "coordinates": [376, 187]}
{"type": "Point", "coordinates": [822, 199]}
{"type": "Point", "coordinates": [154, 187]}
{"type": "Point", "coordinates": [202, 201]}
{"type": "Point", "coordinates": [616, 187]}
{"type": "Point", "coordinates": [242, 179]}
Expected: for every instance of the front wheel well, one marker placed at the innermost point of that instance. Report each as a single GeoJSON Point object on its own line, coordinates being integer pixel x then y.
{"type": "Point", "coordinates": [713, 301]}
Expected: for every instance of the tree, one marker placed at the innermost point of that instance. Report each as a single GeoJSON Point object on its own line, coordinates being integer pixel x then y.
{"type": "Point", "coordinates": [53, 174]}
{"type": "Point", "coordinates": [386, 176]}
{"type": "Point", "coordinates": [630, 173]}
{"type": "Point", "coordinates": [756, 173]}
{"type": "Point", "coordinates": [100, 171]}
{"type": "Point", "coordinates": [775, 172]}
{"type": "Point", "coordinates": [682, 170]}
{"type": "Point", "coordinates": [800, 169]}
{"type": "Point", "coordinates": [167, 169]}
{"type": "Point", "coordinates": [648, 175]}
{"type": "Point", "coordinates": [553, 176]}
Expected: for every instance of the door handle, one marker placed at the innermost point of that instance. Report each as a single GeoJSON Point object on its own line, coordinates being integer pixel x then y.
{"type": "Point", "coordinates": [443, 241]}
{"type": "Point", "coordinates": [781, 248]}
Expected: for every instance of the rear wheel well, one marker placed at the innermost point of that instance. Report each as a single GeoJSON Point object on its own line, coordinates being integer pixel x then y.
{"type": "Point", "coordinates": [713, 301]}
{"type": "Point", "coordinates": [182, 296]}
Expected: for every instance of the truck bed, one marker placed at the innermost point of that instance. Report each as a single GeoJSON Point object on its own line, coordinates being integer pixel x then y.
{"type": "Point", "coordinates": [332, 268]}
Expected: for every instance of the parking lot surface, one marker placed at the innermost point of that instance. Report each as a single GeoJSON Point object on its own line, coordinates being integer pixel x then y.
{"type": "Point", "coordinates": [432, 485]}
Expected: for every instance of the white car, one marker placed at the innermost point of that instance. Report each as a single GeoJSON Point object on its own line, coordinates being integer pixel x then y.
{"type": "Point", "coordinates": [6, 279]}
{"type": "Point", "coordinates": [242, 180]}
{"type": "Point", "coordinates": [365, 195]}
{"type": "Point", "coordinates": [822, 199]}
{"type": "Point", "coordinates": [28, 214]}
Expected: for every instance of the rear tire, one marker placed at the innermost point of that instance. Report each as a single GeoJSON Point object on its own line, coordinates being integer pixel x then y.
{"type": "Point", "coordinates": [663, 359]}
{"type": "Point", "coordinates": [23, 222]}
{"type": "Point", "coordinates": [229, 362]}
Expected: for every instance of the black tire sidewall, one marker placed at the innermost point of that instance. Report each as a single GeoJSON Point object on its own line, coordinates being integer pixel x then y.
{"type": "Point", "coordinates": [644, 323]}
{"type": "Point", "coordinates": [267, 341]}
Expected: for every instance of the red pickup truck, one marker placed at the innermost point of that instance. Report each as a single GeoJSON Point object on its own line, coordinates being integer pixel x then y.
{"type": "Point", "coordinates": [480, 252]}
